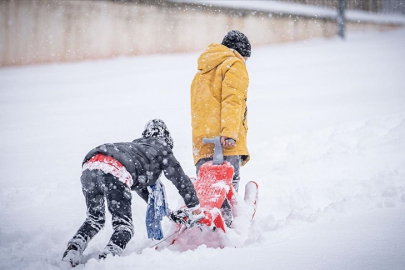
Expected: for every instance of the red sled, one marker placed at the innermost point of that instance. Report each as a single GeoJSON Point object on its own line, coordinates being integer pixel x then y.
{"type": "Point", "coordinates": [213, 186]}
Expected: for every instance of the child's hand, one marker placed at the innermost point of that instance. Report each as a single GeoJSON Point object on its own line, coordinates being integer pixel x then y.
{"type": "Point", "coordinates": [227, 142]}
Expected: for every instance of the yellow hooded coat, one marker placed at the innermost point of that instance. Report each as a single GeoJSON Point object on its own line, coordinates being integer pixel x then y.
{"type": "Point", "coordinates": [218, 101]}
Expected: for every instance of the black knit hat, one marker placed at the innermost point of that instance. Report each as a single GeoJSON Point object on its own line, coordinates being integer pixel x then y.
{"type": "Point", "coordinates": [238, 41]}
{"type": "Point", "coordinates": [157, 128]}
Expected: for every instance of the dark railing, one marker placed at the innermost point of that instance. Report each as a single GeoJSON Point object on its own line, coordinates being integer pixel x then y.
{"type": "Point", "coordinates": [376, 6]}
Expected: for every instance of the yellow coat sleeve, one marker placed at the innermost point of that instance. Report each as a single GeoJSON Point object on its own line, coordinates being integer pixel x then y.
{"type": "Point", "coordinates": [234, 88]}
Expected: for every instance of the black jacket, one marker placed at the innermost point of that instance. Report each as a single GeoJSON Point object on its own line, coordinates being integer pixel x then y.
{"type": "Point", "coordinates": [145, 159]}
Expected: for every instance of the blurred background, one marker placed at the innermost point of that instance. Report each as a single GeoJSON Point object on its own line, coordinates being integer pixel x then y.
{"type": "Point", "coordinates": [46, 31]}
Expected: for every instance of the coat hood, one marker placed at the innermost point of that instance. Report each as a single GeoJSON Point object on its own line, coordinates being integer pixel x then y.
{"type": "Point", "coordinates": [214, 55]}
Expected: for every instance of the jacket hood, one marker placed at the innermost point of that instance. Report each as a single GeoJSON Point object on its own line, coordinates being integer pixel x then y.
{"type": "Point", "coordinates": [214, 55]}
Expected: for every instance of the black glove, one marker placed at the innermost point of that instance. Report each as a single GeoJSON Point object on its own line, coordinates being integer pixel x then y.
{"type": "Point", "coordinates": [185, 217]}
{"type": "Point", "coordinates": [179, 217]}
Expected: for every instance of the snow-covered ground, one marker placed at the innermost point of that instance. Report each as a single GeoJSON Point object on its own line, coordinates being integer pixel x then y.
{"type": "Point", "coordinates": [326, 135]}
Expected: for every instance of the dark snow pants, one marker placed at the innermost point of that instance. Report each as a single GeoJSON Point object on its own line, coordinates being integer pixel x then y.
{"type": "Point", "coordinates": [235, 161]}
{"type": "Point", "coordinates": [96, 186]}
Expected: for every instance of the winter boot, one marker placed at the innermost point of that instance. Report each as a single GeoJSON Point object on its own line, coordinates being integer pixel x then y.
{"type": "Point", "coordinates": [73, 255]}
{"type": "Point", "coordinates": [112, 249]}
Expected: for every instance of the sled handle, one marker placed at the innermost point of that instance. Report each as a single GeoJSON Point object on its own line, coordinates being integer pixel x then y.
{"type": "Point", "coordinates": [218, 158]}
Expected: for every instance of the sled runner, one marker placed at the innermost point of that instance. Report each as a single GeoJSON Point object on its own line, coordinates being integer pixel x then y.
{"type": "Point", "coordinates": [251, 195]}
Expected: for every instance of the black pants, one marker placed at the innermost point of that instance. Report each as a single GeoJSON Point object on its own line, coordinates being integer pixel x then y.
{"type": "Point", "coordinates": [235, 161]}
{"type": "Point", "coordinates": [96, 186]}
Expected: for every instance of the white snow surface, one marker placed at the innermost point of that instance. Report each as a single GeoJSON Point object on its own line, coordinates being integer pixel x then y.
{"type": "Point", "coordinates": [302, 10]}
{"type": "Point", "coordinates": [326, 136]}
